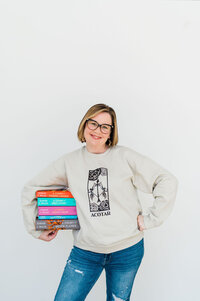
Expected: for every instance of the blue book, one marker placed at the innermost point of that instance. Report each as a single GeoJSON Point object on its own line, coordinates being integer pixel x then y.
{"type": "Point", "coordinates": [57, 216]}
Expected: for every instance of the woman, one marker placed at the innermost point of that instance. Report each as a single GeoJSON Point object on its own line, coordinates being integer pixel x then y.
{"type": "Point", "coordinates": [103, 177]}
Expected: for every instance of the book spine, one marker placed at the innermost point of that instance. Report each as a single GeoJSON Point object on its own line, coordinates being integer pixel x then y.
{"type": "Point", "coordinates": [56, 202]}
{"type": "Point", "coordinates": [57, 224]}
{"type": "Point", "coordinates": [59, 210]}
{"type": "Point", "coordinates": [57, 216]}
{"type": "Point", "coordinates": [53, 193]}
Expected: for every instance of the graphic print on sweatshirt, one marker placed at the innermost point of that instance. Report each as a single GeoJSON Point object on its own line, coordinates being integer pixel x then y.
{"type": "Point", "coordinates": [98, 192]}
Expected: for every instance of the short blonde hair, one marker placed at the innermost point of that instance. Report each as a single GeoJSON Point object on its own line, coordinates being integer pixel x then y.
{"type": "Point", "coordinates": [93, 111]}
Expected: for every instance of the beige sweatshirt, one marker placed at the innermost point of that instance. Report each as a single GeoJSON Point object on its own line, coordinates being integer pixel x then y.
{"type": "Point", "coordinates": [104, 187]}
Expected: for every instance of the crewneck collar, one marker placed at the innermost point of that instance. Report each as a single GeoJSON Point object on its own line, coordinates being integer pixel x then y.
{"type": "Point", "coordinates": [93, 155]}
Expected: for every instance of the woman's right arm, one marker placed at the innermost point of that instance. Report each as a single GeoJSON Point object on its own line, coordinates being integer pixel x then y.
{"type": "Point", "coordinates": [52, 177]}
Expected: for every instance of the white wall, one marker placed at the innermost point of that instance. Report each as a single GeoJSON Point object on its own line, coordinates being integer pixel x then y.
{"type": "Point", "coordinates": [57, 59]}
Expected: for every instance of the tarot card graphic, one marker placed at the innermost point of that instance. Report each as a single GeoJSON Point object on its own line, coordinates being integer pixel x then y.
{"type": "Point", "coordinates": [98, 190]}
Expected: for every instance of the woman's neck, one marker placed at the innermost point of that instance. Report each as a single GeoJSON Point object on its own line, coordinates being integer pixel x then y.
{"type": "Point", "coordinates": [96, 150]}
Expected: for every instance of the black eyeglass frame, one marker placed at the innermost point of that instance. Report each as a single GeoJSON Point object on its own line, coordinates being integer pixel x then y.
{"type": "Point", "coordinates": [100, 125]}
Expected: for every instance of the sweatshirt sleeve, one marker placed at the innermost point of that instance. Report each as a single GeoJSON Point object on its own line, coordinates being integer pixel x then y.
{"type": "Point", "coordinates": [51, 177]}
{"type": "Point", "coordinates": [150, 177]}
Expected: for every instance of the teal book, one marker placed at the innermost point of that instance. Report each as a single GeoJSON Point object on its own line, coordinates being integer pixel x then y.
{"type": "Point", "coordinates": [56, 202]}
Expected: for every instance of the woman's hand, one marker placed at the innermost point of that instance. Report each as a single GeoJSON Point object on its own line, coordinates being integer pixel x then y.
{"type": "Point", "coordinates": [48, 235]}
{"type": "Point", "coordinates": [140, 221]}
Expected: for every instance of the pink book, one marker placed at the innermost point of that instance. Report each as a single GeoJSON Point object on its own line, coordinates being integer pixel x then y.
{"type": "Point", "coordinates": [59, 210]}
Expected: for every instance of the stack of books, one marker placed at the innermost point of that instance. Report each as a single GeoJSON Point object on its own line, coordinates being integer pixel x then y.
{"type": "Point", "coordinates": [56, 210]}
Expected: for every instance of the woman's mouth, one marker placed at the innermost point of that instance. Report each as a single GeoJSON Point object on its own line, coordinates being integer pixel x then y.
{"type": "Point", "coordinates": [95, 137]}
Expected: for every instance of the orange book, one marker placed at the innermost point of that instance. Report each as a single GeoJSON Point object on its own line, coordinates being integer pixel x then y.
{"type": "Point", "coordinates": [54, 194]}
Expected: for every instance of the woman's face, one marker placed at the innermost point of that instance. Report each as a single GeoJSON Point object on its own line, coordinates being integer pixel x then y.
{"type": "Point", "coordinates": [96, 137]}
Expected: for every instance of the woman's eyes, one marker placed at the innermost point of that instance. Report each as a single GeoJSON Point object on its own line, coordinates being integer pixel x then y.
{"type": "Point", "coordinates": [103, 126]}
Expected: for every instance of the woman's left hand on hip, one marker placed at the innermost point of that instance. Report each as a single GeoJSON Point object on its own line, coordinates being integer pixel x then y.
{"type": "Point", "coordinates": [140, 222]}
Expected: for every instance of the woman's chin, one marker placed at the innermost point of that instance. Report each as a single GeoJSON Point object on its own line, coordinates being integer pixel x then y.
{"type": "Point", "coordinates": [94, 142]}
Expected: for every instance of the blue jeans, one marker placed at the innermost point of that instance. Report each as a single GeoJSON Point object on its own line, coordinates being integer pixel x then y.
{"type": "Point", "coordinates": [83, 268]}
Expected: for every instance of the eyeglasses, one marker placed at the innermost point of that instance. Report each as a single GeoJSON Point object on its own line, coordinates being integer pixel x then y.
{"type": "Point", "coordinates": [93, 125]}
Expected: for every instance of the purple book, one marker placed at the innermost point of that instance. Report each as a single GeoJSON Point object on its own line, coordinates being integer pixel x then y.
{"type": "Point", "coordinates": [57, 210]}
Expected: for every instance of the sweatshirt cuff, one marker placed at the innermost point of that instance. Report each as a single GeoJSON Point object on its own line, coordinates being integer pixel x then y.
{"type": "Point", "coordinates": [149, 222]}
{"type": "Point", "coordinates": [36, 234]}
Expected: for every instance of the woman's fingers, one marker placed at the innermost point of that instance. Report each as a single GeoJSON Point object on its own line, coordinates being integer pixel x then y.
{"type": "Point", "coordinates": [48, 235]}
{"type": "Point", "coordinates": [140, 220]}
